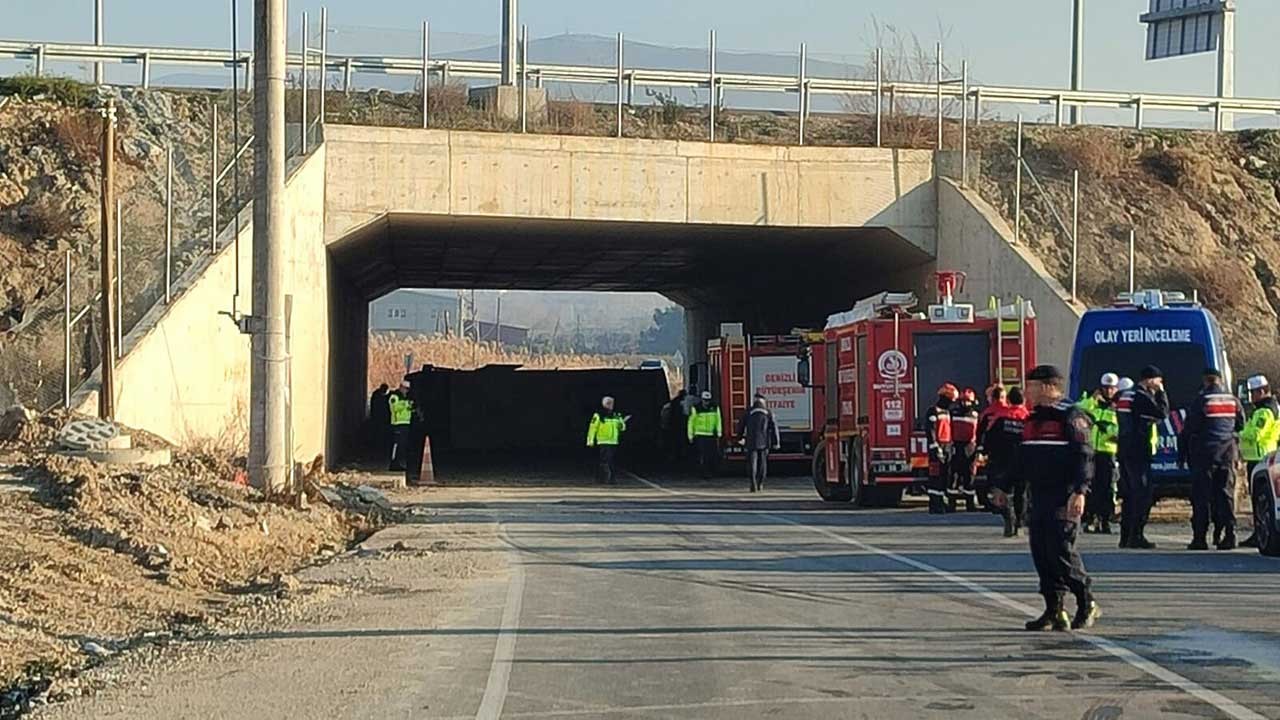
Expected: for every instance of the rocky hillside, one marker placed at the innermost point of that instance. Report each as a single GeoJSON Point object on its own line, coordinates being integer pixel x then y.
{"type": "Point", "coordinates": [1206, 208]}
{"type": "Point", "coordinates": [49, 203]}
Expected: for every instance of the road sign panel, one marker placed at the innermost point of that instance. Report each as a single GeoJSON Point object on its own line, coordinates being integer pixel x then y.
{"type": "Point", "coordinates": [1184, 27]}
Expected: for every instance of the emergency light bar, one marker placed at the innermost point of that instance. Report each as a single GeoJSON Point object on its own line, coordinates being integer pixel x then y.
{"type": "Point", "coordinates": [1151, 299]}
{"type": "Point", "coordinates": [885, 304]}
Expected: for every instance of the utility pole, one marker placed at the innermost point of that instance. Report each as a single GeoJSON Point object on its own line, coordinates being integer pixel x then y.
{"type": "Point", "coordinates": [269, 361]}
{"type": "Point", "coordinates": [1077, 57]}
{"type": "Point", "coordinates": [497, 319]}
{"type": "Point", "coordinates": [510, 16]}
{"type": "Point", "coordinates": [1227, 62]}
{"type": "Point", "coordinates": [97, 39]}
{"type": "Point", "coordinates": [107, 261]}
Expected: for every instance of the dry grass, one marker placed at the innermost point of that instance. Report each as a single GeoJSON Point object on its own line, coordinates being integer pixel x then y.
{"type": "Point", "coordinates": [80, 133]}
{"type": "Point", "coordinates": [573, 117]}
{"type": "Point", "coordinates": [46, 220]}
{"type": "Point", "coordinates": [1095, 154]}
{"type": "Point", "coordinates": [1179, 167]}
{"type": "Point", "coordinates": [387, 358]}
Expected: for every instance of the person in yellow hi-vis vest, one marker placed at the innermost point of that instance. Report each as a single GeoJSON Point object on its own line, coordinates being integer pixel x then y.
{"type": "Point", "coordinates": [605, 432]}
{"type": "Point", "coordinates": [1260, 438]}
{"type": "Point", "coordinates": [401, 414]}
{"type": "Point", "coordinates": [705, 430]}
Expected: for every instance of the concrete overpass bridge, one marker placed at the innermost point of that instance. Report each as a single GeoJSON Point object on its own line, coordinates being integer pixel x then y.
{"type": "Point", "coordinates": [770, 236]}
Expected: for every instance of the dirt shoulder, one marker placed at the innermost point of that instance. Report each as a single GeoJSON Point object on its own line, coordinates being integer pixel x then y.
{"type": "Point", "coordinates": [98, 561]}
{"type": "Point", "coordinates": [351, 627]}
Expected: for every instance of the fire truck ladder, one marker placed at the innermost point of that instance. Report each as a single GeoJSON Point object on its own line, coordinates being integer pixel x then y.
{"type": "Point", "coordinates": [736, 360]}
{"type": "Point", "coordinates": [1011, 341]}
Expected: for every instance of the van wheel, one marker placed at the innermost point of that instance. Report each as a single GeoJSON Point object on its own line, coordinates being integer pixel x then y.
{"type": "Point", "coordinates": [828, 492]}
{"type": "Point", "coordinates": [1264, 522]}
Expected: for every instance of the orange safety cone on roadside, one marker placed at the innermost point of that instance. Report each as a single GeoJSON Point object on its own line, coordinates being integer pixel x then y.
{"type": "Point", "coordinates": [427, 475]}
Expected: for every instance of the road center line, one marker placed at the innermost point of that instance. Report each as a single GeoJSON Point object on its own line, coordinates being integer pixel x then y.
{"type": "Point", "coordinates": [1223, 703]}
{"type": "Point", "coordinates": [504, 651]}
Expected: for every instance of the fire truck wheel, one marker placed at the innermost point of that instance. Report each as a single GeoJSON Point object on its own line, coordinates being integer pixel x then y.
{"type": "Point", "coordinates": [827, 491]}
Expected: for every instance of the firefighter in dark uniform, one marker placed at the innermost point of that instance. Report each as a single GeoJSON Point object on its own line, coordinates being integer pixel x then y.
{"type": "Point", "coordinates": [1208, 443]}
{"type": "Point", "coordinates": [1000, 446]}
{"type": "Point", "coordinates": [1055, 460]}
{"type": "Point", "coordinates": [938, 426]}
{"type": "Point", "coordinates": [1138, 411]}
{"type": "Point", "coordinates": [964, 434]}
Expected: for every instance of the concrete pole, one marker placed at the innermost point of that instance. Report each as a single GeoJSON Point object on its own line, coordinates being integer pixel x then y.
{"type": "Point", "coordinates": [1077, 57]}
{"type": "Point", "coordinates": [268, 459]}
{"type": "Point", "coordinates": [879, 97]}
{"type": "Point", "coordinates": [426, 73]}
{"type": "Point", "coordinates": [97, 39]}
{"type": "Point", "coordinates": [510, 20]}
{"type": "Point", "coordinates": [711, 85]}
{"type": "Point", "coordinates": [1227, 63]}
{"type": "Point", "coordinates": [524, 78]}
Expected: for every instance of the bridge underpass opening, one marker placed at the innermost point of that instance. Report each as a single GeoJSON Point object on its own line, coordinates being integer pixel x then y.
{"type": "Point", "coordinates": [771, 279]}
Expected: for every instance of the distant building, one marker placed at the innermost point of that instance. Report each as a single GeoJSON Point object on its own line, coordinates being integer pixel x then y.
{"type": "Point", "coordinates": [431, 313]}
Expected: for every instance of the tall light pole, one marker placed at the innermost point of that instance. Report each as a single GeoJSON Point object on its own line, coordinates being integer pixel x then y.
{"type": "Point", "coordinates": [1077, 57]}
{"type": "Point", "coordinates": [268, 457]}
{"type": "Point", "coordinates": [497, 318]}
{"type": "Point", "coordinates": [97, 39]}
{"type": "Point", "coordinates": [510, 18]}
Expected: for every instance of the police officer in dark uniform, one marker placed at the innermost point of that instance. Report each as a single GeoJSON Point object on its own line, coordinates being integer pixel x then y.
{"type": "Point", "coordinates": [1138, 411]}
{"type": "Point", "coordinates": [1208, 442]}
{"type": "Point", "coordinates": [938, 427]}
{"type": "Point", "coordinates": [1056, 461]}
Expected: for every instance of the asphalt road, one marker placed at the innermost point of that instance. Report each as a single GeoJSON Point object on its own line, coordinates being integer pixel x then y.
{"type": "Point", "coordinates": [666, 600]}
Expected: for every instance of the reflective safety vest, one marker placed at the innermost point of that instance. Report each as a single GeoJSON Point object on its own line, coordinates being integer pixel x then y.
{"type": "Point", "coordinates": [401, 409]}
{"type": "Point", "coordinates": [1261, 435]}
{"type": "Point", "coordinates": [1105, 436]}
{"type": "Point", "coordinates": [605, 429]}
{"type": "Point", "coordinates": [704, 422]}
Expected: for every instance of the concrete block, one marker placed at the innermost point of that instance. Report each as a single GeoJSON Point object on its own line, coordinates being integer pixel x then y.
{"type": "Point", "coordinates": [766, 153]}
{"type": "Point", "coordinates": [619, 146]}
{"type": "Point", "coordinates": [504, 101]}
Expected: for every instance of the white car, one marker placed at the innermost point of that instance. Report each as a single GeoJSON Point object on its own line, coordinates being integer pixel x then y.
{"type": "Point", "coordinates": [1265, 493]}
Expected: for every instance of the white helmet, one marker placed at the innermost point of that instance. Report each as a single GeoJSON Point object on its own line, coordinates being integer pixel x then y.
{"type": "Point", "coordinates": [706, 394]}
{"type": "Point", "coordinates": [1257, 382]}
{"type": "Point", "coordinates": [1125, 384]}
{"type": "Point", "coordinates": [1110, 380]}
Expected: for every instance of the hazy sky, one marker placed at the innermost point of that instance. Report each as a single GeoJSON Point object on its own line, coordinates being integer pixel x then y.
{"type": "Point", "coordinates": [1006, 41]}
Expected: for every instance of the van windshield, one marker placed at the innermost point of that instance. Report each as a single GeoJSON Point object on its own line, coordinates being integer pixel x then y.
{"type": "Point", "coordinates": [1182, 364]}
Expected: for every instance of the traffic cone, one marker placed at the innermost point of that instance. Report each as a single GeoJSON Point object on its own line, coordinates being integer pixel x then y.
{"type": "Point", "coordinates": [427, 475]}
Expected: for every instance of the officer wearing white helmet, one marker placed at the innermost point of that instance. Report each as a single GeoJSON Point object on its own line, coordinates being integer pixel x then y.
{"type": "Point", "coordinates": [1104, 437]}
{"type": "Point", "coordinates": [605, 433]}
{"type": "Point", "coordinates": [1260, 437]}
{"type": "Point", "coordinates": [705, 429]}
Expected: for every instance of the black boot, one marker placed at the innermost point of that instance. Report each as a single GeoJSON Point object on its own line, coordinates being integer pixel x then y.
{"type": "Point", "coordinates": [1126, 534]}
{"type": "Point", "coordinates": [1251, 541]}
{"type": "Point", "coordinates": [1054, 618]}
{"type": "Point", "coordinates": [1198, 543]}
{"type": "Point", "coordinates": [937, 505]}
{"type": "Point", "coordinates": [1228, 541]}
{"type": "Point", "coordinates": [1105, 528]}
{"type": "Point", "coordinates": [1087, 613]}
{"type": "Point", "coordinates": [1141, 543]}
{"type": "Point", "coordinates": [1010, 529]}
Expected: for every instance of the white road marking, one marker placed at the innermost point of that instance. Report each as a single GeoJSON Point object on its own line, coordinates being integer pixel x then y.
{"type": "Point", "coordinates": [1223, 703]}
{"type": "Point", "coordinates": [504, 651]}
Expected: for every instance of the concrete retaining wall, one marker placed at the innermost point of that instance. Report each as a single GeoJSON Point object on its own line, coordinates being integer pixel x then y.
{"type": "Point", "coordinates": [372, 171]}
{"type": "Point", "coordinates": [185, 374]}
{"type": "Point", "coordinates": [974, 238]}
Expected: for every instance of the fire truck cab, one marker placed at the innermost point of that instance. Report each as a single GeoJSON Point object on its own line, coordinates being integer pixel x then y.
{"type": "Point", "coordinates": [883, 363]}
{"type": "Point", "coordinates": [739, 366]}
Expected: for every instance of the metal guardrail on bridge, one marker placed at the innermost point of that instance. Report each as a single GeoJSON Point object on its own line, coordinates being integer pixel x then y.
{"type": "Point", "coordinates": [444, 69]}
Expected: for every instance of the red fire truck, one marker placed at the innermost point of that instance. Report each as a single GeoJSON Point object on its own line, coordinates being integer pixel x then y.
{"type": "Point", "coordinates": [882, 367]}
{"type": "Point", "coordinates": [739, 366]}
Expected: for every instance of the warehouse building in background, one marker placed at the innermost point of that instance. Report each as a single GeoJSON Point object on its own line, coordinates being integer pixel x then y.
{"type": "Point", "coordinates": [435, 313]}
